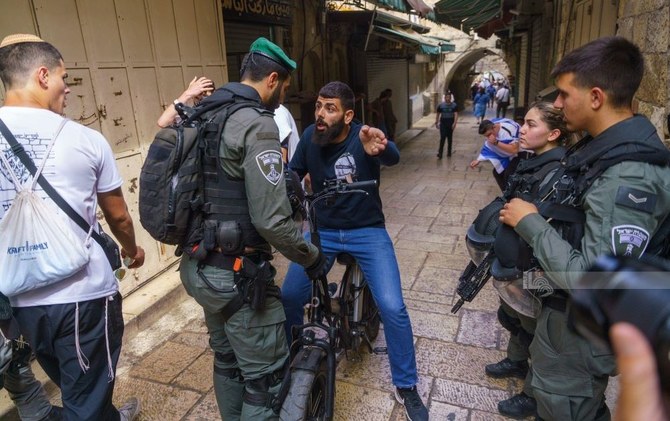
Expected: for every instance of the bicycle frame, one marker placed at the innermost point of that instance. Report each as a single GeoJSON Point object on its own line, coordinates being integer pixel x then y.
{"type": "Point", "coordinates": [321, 314]}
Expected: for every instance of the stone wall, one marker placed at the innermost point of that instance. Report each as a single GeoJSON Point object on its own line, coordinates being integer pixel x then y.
{"type": "Point", "coordinates": [646, 23]}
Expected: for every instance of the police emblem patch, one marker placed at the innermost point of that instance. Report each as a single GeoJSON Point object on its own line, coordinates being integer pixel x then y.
{"type": "Point", "coordinates": [629, 240]}
{"type": "Point", "coordinates": [271, 165]}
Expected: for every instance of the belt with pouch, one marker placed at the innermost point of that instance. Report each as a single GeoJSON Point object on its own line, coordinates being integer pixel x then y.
{"type": "Point", "coordinates": [556, 301]}
{"type": "Point", "coordinates": [219, 260]}
{"type": "Point", "coordinates": [227, 261]}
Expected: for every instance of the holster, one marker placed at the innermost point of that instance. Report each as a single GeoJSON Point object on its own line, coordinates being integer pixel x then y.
{"type": "Point", "coordinates": [254, 280]}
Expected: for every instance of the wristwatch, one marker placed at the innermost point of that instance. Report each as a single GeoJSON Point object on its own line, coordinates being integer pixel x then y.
{"type": "Point", "coordinates": [176, 102]}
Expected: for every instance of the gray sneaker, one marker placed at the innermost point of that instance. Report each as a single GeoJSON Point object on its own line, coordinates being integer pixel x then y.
{"type": "Point", "coordinates": [130, 409]}
{"type": "Point", "coordinates": [414, 407]}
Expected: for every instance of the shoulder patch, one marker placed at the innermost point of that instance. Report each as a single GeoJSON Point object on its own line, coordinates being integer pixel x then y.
{"type": "Point", "coordinates": [635, 199]}
{"type": "Point", "coordinates": [629, 240]}
{"type": "Point", "coordinates": [271, 165]}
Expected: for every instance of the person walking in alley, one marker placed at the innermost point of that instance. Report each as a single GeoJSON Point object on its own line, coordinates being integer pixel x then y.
{"type": "Point", "coordinates": [480, 103]}
{"type": "Point", "coordinates": [250, 210]}
{"type": "Point", "coordinates": [378, 118]}
{"type": "Point", "coordinates": [445, 120]}
{"type": "Point", "coordinates": [502, 100]}
{"type": "Point", "coordinates": [389, 117]}
{"type": "Point", "coordinates": [616, 188]}
{"type": "Point", "coordinates": [334, 149]}
{"type": "Point", "coordinates": [74, 325]}
{"type": "Point", "coordinates": [491, 90]}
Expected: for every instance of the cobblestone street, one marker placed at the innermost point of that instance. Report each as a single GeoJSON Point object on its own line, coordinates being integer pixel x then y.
{"type": "Point", "coordinates": [429, 204]}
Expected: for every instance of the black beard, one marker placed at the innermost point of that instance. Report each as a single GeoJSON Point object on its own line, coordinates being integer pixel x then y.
{"type": "Point", "coordinates": [327, 136]}
{"type": "Point", "coordinates": [273, 101]}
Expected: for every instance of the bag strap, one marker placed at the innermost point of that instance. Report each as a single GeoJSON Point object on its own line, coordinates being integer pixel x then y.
{"type": "Point", "coordinates": [21, 153]}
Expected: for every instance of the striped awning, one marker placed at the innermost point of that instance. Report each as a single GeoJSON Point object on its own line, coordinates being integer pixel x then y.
{"type": "Point", "coordinates": [467, 14]}
{"type": "Point", "coordinates": [425, 44]}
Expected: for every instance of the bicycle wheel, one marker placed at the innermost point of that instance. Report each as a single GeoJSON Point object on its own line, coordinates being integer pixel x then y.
{"type": "Point", "coordinates": [306, 398]}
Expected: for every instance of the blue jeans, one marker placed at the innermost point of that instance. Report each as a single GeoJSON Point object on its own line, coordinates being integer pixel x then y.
{"type": "Point", "coordinates": [373, 249]}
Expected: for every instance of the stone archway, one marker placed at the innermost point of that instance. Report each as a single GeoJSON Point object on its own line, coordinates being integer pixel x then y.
{"type": "Point", "coordinates": [458, 77]}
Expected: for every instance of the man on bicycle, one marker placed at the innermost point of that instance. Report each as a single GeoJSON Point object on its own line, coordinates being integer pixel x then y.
{"type": "Point", "coordinates": [335, 148]}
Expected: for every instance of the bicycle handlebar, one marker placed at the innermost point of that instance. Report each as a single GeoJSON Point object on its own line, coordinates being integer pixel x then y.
{"type": "Point", "coordinates": [340, 187]}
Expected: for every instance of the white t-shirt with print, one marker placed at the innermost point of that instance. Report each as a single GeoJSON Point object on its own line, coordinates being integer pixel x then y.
{"type": "Point", "coordinates": [81, 164]}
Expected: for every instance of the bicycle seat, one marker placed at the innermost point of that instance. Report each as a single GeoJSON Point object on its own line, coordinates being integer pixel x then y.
{"type": "Point", "coordinates": [345, 258]}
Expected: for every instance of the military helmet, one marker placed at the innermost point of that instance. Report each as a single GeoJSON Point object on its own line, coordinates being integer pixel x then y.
{"type": "Point", "coordinates": [480, 236]}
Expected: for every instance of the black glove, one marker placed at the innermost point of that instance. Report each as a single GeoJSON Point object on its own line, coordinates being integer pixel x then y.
{"type": "Point", "coordinates": [319, 268]}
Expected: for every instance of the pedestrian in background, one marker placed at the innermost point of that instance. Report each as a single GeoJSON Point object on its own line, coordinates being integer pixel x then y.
{"type": "Point", "coordinates": [480, 103]}
{"type": "Point", "coordinates": [389, 117]}
{"type": "Point", "coordinates": [491, 91]}
{"type": "Point", "coordinates": [502, 98]}
{"type": "Point", "coordinates": [445, 120]}
{"type": "Point", "coordinates": [377, 113]}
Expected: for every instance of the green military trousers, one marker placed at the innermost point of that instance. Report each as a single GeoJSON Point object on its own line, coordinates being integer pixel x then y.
{"type": "Point", "coordinates": [569, 374]}
{"type": "Point", "coordinates": [253, 342]}
{"type": "Point", "coordinates": [521, 330]}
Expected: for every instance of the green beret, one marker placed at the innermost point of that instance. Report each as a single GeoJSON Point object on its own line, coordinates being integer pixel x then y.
{"type": "Point", "coordinates": [267, 48]}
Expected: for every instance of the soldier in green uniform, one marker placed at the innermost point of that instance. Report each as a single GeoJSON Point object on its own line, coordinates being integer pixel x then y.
{"type": "Point", "coordinates": [250, 212]}
{"type": "Point", "coordinates": [617, 179]}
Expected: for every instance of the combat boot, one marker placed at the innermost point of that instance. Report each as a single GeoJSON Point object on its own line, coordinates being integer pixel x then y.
{"type": "Point", "coordinates": [518, 406]}
{"type": "Point", "coordinates": [507, 368]}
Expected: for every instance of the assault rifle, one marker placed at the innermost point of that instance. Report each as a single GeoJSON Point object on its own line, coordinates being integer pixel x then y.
{"type": "Point", "coordinates": [473, 280]}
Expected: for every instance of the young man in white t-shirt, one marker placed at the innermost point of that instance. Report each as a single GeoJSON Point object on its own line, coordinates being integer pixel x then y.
{"type": "Point", "coordinates": [75, 325]}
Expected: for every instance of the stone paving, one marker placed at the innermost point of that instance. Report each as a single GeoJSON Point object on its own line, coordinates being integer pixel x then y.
{"type": "Point", "coordinates": [428, 205]}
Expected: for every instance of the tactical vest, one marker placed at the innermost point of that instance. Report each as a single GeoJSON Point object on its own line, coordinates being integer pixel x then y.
{"type": "Point", "coordinates": [225, 224]}
{"type": "Point", "coordinates": [225, 199]}
{"type": "Point", "coordinates": [533, 178]}
{"type": "Point", "coordinates": [579, 172]}
{"type": "Point", "coordinates": [532, 181]}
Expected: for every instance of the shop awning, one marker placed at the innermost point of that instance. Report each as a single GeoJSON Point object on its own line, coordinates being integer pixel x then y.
{"type": "Point", "coordinates": [384, 18]}
{"type": "Point", "coordinates": [425, 45]}
{"type": "Point", "coordinates": [466, 14]}
{"type": "Point", "coordinates": [406, 6]}
{"type": "Point", "coordinates": [445, 44]}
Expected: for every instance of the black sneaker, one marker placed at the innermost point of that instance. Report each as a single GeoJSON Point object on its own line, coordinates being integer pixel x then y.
{"type": "Point", "coordinates": [414, 407]}
{"type": "Point", "coordinates": [518, 406]}
{"type": "Point", "coordinates": [507, 368]}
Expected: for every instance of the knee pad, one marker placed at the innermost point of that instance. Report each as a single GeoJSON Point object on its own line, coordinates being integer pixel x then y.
{"type": "Point", "coordinates": [231, 371]}
{"type": "Point", "coordinates": [270, 390]}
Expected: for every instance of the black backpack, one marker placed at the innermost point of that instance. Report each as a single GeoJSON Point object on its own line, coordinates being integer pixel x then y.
{"type": "Point", "coordinates": [171, 180]}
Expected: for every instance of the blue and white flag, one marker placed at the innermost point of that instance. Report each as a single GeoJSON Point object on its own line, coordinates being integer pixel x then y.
{"type": "Point", "coordinates": [496, 156]}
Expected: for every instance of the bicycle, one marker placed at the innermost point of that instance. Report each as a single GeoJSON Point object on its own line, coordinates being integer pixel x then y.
{"type": "Point", "coordinates": [340, 321]}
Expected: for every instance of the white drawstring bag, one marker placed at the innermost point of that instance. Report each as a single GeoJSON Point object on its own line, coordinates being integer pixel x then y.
{"type": "Point", "coordinates": [37, 246]}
